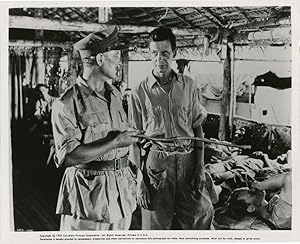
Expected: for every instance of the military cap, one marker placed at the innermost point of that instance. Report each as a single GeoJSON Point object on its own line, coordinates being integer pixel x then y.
{"type": "Point", "coordinates": [98, 42]}
{"type": "Point", "coordinates": [162, 34]}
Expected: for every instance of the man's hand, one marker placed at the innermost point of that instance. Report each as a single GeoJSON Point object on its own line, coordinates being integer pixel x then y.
{"type": "Point", "coordinates": [145, 144]}
{"type": "Point", "coordinates": [198, 180]}
{"type": "Point", "coordinates": [124, 138]}
{"type": "Point", "coordinates": [143, 196]}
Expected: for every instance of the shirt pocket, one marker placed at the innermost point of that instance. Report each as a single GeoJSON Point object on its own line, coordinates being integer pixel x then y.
{"type": "Point", "coordinates": [185, 116]}
{"type": "Point", "coordinates": [154, 120]}
{"type": "Point", "coordinates": [95, 125]}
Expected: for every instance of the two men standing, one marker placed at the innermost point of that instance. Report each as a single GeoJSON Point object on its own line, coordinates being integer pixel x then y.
{"type": "Point", "coordinates": [100, 186]}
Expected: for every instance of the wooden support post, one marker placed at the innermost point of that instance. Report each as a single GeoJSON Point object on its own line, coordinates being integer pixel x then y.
{"type": "Point", "coordinates": [40, 65]}
{"type": "Point", "coordinates": [125, 58]}
{"type": "Point", "coordinates": [39, 34]}
{"type": "Point", "coordinates": [232, 107]}
{"type": "Point", "coordinates": [225, 103]}
{"type": "Point", "coordinates": [54, 56]}
{"type": "Point", "coordinates": [73, 59]}
{"type": "Point", "coordinates": [104, 14]}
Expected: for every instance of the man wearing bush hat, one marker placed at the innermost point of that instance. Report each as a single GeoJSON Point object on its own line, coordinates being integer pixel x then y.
{"type": "Point", "coordinates": [98, 189]}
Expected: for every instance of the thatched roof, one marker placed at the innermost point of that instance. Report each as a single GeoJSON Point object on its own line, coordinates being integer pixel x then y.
{"type": "Point", "coordinates": [210, 20]}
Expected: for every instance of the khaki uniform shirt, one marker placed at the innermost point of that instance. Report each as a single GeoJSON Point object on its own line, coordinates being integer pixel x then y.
{"type": "Point", "coordinates": [163, 114]}
{"type": "Point", "coordinates": [82, 116]}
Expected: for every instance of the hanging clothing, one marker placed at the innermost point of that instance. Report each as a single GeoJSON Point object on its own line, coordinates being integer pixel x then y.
{"type": "Point", "coordinates": [15, 75]}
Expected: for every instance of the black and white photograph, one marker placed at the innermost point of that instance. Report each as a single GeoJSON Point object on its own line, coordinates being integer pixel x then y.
{"type": "Point", "coordinates": [151, 118]}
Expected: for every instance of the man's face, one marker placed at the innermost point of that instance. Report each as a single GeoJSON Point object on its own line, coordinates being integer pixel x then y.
{"type": "Point", "coordinates": [252, 197]}
{"type": "Point", "coordinates": [162, 56]}
{"type": "Point", "coordinates": [112, 63]}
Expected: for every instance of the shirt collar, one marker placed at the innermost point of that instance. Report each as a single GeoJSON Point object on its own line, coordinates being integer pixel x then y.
{"type": "Point", "coordinates": [152, 80]}
{"type": "Point", "coordinates": [86, 90]}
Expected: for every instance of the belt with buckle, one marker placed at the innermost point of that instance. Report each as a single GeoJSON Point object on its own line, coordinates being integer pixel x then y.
{"type": "Point", "coordinates": [108, 165]}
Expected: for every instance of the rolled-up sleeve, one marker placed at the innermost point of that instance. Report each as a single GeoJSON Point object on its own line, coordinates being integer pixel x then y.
{"type": "Point", "coordinates": [199, 112]}
{"type": "Point", "coordinates": [66, 132]}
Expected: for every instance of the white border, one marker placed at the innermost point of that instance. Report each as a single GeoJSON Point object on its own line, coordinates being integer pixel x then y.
{"type": "Point", "coordinates": [7, 236]}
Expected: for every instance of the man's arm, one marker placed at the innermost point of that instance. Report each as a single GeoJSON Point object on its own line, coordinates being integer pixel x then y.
{"type": "Point", "coordinates": [86, 153]}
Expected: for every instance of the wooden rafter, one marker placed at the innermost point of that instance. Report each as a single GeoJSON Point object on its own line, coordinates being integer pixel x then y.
{"type": "Point", "coordinates": [181, 17]}
{"type": "Point", "coordinates": [208, 18]}
{"type": "Point", "coordinates": [48, 14]}
{"type": "Point", "coordinates": [65, 13]}
{"type": "Point", "coordinates": [116, 21]}
{"type": "Point", "coordinates": [152, 16]}
{"type": "Point", "coordinates": [133, 18]}
{"type": "Point", "coordinates": [242, 12]}
{"type": "Point", "coordinates": [63, 16]}
{"type": "Point", "coordinates": [124, 11]}
{"type": "Point", "coordinates": [219, 17]}
{"type": "Point", "coordinates": [94, 12]}
{"type": "Point", "coordinates": [25, 22]}
{"type": "Point", "coordinates": [79, 13]}
{"type": "Point", "coordinates": [215, 17]}
{"type": "Point", "coordinates": [257, 25]}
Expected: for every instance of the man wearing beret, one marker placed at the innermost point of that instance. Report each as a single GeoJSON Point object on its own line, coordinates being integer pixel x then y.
{"type": "Point", "coordinates": [98, 189]}
{"type": "Point", "coordinates": [166, 105]}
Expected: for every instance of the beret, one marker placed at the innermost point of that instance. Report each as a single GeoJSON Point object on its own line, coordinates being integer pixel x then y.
{"type": "Point", "coordinates": [98, 42]}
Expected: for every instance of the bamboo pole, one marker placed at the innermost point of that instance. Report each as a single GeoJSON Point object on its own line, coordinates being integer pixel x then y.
{"type": "Point", "coordinates": [232, 105]}
{"type": "Point", "coordinates": [40, 65]}
{"type": "Point", "coordinates": [225, 102]}
{"type": "Point", "coordinates": [172, 139]}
